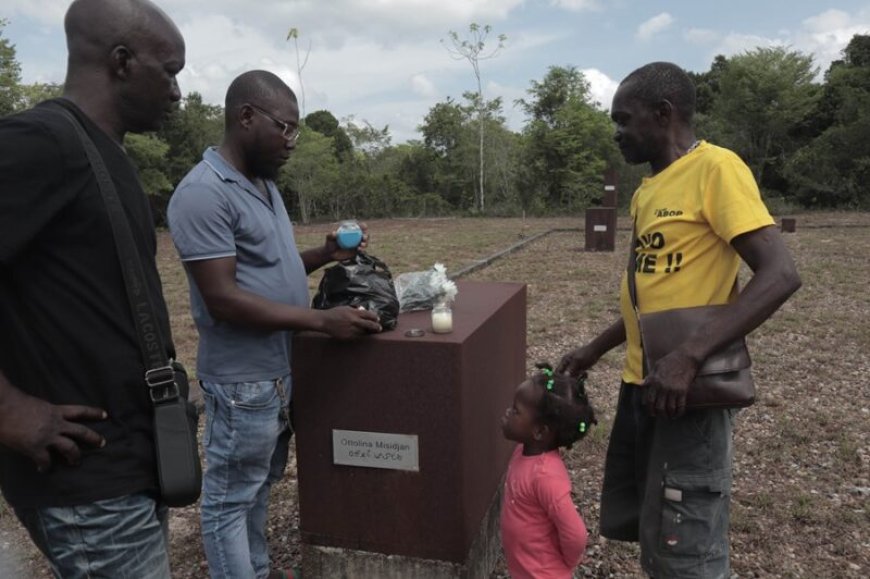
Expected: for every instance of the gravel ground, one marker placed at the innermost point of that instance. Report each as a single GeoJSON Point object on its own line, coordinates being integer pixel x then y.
{"type": "Point", "coordinates": [801, 495]}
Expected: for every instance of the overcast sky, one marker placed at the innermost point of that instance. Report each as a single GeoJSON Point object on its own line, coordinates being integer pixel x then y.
{"type": "Point", "coordinates": [383, 61]}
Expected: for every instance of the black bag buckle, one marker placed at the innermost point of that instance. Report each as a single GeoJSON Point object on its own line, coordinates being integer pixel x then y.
{"type": "Point", "coordinates": [161, 384]}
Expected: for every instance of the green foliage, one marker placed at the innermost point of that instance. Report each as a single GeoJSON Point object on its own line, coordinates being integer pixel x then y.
{"type": "Point", "coordinates": [442, 127]}
{"type": "Point", "coordinates": [568, 142]}
{"type": "Point", "coordinates": [707, 84]}
{"type": "Point", "coordinates": [833, 169]}
{"type": "Point", "coordinates": [189, 131]}
{"type": "Point", "coordinates": [148, 153]}
{"type": "Point", "coordinates": [311, 175]}
{"type": "Point", "coordinates": [561, 85]}
{"type": "Point", "coordinates": [10, 74]}
{"type": "Point", "coordinates": [372, 183]}
{"type": "Point", "coordinates": [31, 94]}
{"type": "Point", "coordinates": [327, 125]}
{"type": "Point", "coordinates": [764, 94]}
{"type": "Point", "coordinates": [452, 142]}
{"type": "Point", "coordinates": [805, 141]}
{"type": "Point", "coordinates": [473, 48]}
{"type": "Point", "coordinates": [503, 158]}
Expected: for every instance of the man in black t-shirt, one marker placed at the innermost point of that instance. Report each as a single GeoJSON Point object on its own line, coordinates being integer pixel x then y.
{"type": "Point", "coordinates": [77, 459]}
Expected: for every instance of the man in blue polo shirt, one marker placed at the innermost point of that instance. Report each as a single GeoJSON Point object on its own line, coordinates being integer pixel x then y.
{"type": "Point", "coordinates": [248, 291]}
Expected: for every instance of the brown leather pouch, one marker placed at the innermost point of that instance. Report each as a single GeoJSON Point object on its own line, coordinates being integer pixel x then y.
{"type": "Point", "coordinates": [724, 379]}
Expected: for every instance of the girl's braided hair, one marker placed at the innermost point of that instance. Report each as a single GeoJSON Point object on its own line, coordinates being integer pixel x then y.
{"type": "Point", "coordinates": [564, 405]}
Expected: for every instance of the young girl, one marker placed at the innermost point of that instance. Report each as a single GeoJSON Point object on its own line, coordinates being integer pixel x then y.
{"type": "Point", "coordinates": [542, 534]}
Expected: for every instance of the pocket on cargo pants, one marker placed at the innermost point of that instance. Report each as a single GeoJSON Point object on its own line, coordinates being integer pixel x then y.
{"type": "Point", "coordinates": [694, 517]}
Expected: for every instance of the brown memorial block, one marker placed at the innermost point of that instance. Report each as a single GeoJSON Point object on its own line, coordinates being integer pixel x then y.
{"type": "Point", "coordinates": [600, 229]}
{"type": "Point", "coordinates": [611, 178]}
{"type": "Point", "coordinates": [788, 224]}
{"type": "Point", "coordinates": [398, 437]}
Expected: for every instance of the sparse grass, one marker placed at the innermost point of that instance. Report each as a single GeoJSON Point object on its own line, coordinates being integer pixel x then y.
{"type": "Point", "coordinates": [802, 453]}
{"type": "Point", "coordinates": [803, 508]}
{"type": "Point", "coordinates": [847, 452]}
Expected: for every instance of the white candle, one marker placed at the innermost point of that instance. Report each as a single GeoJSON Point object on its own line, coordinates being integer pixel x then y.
{"type": "Point", "coordinates": [442, 321]}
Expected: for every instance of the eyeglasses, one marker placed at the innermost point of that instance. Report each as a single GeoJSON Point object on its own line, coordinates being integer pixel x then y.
{"type": "Point", "coordinates": [288, 131]}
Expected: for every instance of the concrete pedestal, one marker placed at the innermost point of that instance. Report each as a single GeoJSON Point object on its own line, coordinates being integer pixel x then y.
{"type": "Point", "coordinates": [428, 508]}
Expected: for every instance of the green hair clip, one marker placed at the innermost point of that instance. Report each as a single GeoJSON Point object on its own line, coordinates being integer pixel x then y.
{"type": "Point", "coordinates": [582, 427]}
{"type": "Point", "coordinates": [548, 372]}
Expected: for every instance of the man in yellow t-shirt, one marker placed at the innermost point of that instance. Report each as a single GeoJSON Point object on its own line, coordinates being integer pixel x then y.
{"type": "Point", "coordinates": [667, 475]}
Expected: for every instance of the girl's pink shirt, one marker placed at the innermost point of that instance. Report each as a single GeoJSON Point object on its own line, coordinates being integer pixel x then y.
{"type": "Point", "coordinates": [542, 533]}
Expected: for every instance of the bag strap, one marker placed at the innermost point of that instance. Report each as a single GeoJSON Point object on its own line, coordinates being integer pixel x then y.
{"type": "Point", "coordinates": [631, 273]}
{"type": "Point", "coordinates": [159, 373]}
{"type": "Point", "coordinates": [632, 290]}
{"type": "Point", "coordinates": [632, 268]}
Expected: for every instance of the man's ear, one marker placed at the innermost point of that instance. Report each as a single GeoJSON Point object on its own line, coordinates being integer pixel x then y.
{"type": "Point", "coordinates": [664, 111]}
{"type": "Point", "coordinates": [245, 116]}
{"type": "Point", "coordinates": [121, 61]}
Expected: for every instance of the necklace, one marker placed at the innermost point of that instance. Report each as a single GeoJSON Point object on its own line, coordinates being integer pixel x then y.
{"type": "Point", "coordinates": [693, 146]}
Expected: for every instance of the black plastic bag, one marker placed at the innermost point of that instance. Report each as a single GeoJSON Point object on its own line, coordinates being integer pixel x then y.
{"type": "Point", "coordinates": [363, 280]}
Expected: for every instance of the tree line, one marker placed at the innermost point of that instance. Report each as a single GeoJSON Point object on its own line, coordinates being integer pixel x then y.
{"type": "Point", "coordinates": [804, 139]}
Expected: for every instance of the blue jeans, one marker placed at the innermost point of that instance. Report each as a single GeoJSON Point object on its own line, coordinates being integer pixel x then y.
{"type": "Point", "coordinates": [120, 538]}
{"type": "Point", "coordinates": [246, 441]}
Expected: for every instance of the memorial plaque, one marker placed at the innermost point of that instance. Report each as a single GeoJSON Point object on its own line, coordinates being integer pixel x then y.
{"type": "Point", "coordinates": [375, 449]}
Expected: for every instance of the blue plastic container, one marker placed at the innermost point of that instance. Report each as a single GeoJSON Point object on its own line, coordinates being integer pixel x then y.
{"type": "Point", "coordinates": [349, 235]}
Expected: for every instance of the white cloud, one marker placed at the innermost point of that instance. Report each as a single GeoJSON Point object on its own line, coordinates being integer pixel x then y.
{"type": "Point", "coordinates": [654, 26]}
{"type": "Point", "coordinates": [219, 49]}
{"type": "Point", "coordinates": [701, 36]}
{"type": "Point", "coordinates": [378, 60]}
{"type": "Point", "coordinates": [331, 23]}
{"type": "Point", "coordinates": [824, 36]}
{"type": "Point", "coordinates": [422, 86]}
{"type": "Point", "coordinates": [733, 43]}
{"type": "Point", "coordinates": [381, 60]}
{"type": "Point", "coordinates": [831, 19]}
{"type": "Point", "coordinates": [402, 116]}
{"type": "Point", "coordinates": [576, 5]}
{"type": "Point", "coordinates": [827, 34]}
{"type": "Point", "coordinates": [347, 78]}
{"type": "Point", "coordinates": [42, 11]}
{"type": "Point", "coordinates": [601, 86]}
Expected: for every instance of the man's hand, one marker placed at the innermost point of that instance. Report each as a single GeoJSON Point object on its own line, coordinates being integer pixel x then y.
{"type": "Point", "coordinates": [37, 429]}
{"type": "Point", "coordinates": [336, 253]}
{"type": "Point", "coordinates": [666, 387]}
{"type": "Point", "coordinates": [577, 361]}
{"type": "Point", "coordinates": [345, 322]}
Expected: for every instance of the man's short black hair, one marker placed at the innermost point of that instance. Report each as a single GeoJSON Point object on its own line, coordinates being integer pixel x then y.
{"type": "Point", "coordinates": [658, 81]}
{"type": "Point", "coordinates": [256, 87]}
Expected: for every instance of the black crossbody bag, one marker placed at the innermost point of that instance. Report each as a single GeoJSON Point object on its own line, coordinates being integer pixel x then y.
{"type": "Point", "coordinates": [175, 417]}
